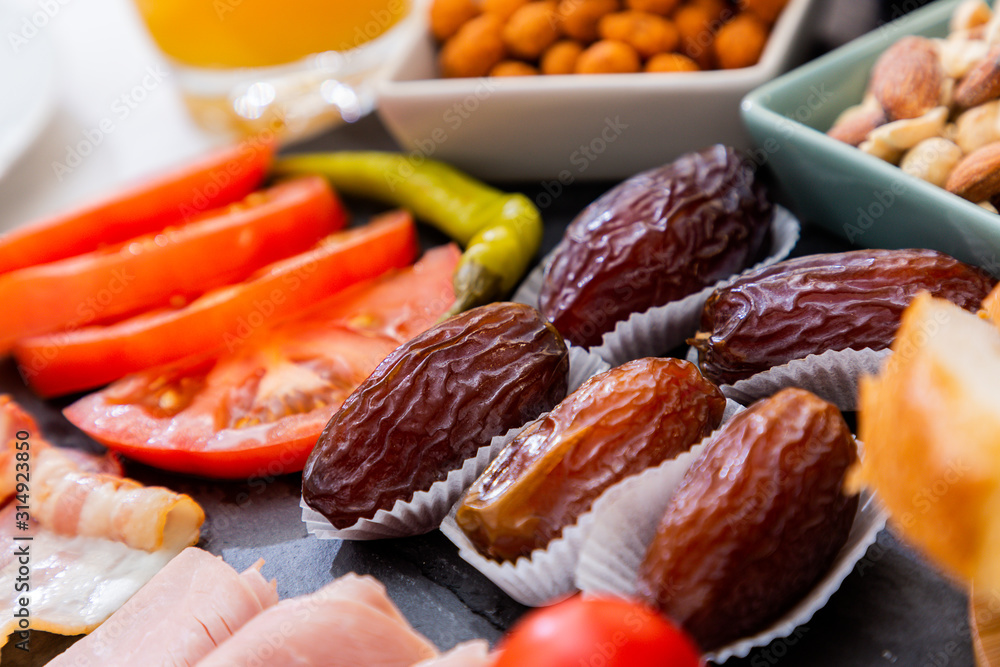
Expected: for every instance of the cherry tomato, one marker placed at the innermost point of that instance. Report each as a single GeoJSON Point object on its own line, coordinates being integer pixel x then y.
{"type": "Point", "coordinates": [63, 362]}
{"type": "Point", "coordinates": [258, 411]}
{"type": "Point", "coordinates": [222, 247]}
{"type": "Point", "coordinates": [218, 179]}
{"type": "Point", "coordinates": [596, 632]}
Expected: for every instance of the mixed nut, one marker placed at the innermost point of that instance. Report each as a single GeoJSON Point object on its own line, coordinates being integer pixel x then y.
{"type": "Point", "coordinates": [933, 107]}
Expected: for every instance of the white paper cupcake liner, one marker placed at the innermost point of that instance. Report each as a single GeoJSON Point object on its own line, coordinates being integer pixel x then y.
{"type": "Point", "coordinates": [426, 509]}
{"type": "Point", "coordinates": [832, 375]}
{"type": "Point", "coordinates": [623, 526]}
{"type": "Point", "coordinates": [660, 329]}
{"type": "Point", "coordinates": [549, 575]}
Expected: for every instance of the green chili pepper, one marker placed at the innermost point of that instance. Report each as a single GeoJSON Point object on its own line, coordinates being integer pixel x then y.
{"type": "Point", "coordinates": [501, 232]}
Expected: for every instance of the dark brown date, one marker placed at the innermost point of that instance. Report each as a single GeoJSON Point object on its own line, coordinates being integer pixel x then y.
{"type": "Point", "coordinates": [617, 424]}
{"type": "Point", "coordinates": [655, 238]}
{"type": "Point", "coordinates": [430, 405]}
{"type": "Point", "coordinates": [756, 520]}
{"type": "Point", "coordinates": [811, 304]}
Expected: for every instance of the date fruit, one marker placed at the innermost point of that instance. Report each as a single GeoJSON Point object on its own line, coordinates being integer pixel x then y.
{"type": "Point", "coordinates": [655, 238]}
{"type": "Point", "coordinates": [757, 519]}
{"type": "Point", "coordinates": [811, 304]}
{"type": "Point", "coordinates": [617, 424]}
{"type": "Point", "coordinates": [430, 405]}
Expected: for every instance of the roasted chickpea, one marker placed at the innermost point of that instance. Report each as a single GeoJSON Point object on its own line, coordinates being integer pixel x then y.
{"type": "Point", "coordinates": [719, 11]}
{"type": "Point", "coordinates": [561, 57]}
{"type": "Point", "coordinates": [648, 34]}
{"type": "Point", "coordinates": [740, 42]}
{"type": "Point", "coordinates": [661, 7]}
{"type": "Point", "coordinates": [502, 9]}
{"type": "Point", "coordinates": [671, 62]}
{"type": "Point", "coordinates": [447, 16]}
{"type": "Point", "coordinates": [579, 18]}
{"type": "Point", "coordinates": [513, 68]}
{"type": "Point", "coordinates": [531, 29]}
{"type": "Point", "coordinates": [766, 10]}
{"type": "Point", "coordinates": [608, 57]}
{"type": "Point", "coordinates": [474, 49]}
{"type": "Point", "coordinates": [697, 32]}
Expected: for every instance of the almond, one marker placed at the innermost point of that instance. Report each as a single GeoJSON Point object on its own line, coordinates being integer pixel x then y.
{"type": "Point", "coordinates": [908, 78]}
{"type": "Point", "coordinates": [982, 83]}
{"type": "Point", "coordinates": [977, 176]}
{"type": "Point", "coordinates": [854, 125]}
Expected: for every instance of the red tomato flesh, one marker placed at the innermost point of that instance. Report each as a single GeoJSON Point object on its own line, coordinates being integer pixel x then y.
{"type": "Point", "coordinates": [217, 179]}
{"type": "Point", "coordinates": [259, 411]}
{"type": "Point", "coordinates": [64, 362]}
{"type": "Point", "coordinates": [223, 247]}
{"type": "Point", "coordinates": [585, 632]}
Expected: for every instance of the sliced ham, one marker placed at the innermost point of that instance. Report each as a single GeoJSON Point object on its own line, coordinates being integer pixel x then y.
{"type": "Point", "coordinates": [348, 623]}
{"type": "Point", "coordinates": [193, 604]}
{"type": "Point", "coordinates": [469, 654]}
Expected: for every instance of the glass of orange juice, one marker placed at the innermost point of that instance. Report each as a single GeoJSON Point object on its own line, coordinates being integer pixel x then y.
{"type": "Point", "coordinates": [290, 66]}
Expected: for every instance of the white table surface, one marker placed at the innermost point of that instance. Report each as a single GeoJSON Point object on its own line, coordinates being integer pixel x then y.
{"type": "Point", "coordinates": [100, 52]}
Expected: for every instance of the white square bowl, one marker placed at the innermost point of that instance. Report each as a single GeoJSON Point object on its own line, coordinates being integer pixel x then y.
{"type": "Point", "coordinates": [574, 127]}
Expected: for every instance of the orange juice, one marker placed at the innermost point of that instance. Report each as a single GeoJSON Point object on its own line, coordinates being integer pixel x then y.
{"type": "Point", "coordinates": [264, 33]}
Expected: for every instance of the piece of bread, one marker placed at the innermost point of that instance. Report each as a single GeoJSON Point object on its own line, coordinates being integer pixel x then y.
{"type": "Point", "coordinates": [991, 305]}
{"type": "Point", "coordinates": [930, 423]}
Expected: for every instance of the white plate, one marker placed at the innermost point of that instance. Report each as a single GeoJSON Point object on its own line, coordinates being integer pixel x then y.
{"type": "Point", "coordinates": [570, 128]}
{"type": "Point", "coordinates": [27, 78]}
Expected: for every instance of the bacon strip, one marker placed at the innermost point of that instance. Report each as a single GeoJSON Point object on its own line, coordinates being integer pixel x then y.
{"type": "Point", "coordinates": [76, 494]}
{"type": "Point", "coordinates": [93, 537]}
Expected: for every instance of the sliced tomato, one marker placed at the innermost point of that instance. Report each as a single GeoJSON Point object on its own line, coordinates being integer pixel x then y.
{"type": "Point", "coordinates": [218, 179]}
{"type": "Point", "coordinates": [63, 362]}
{"type": "Point", "coordinates": [223, 247]}
{"type": "Point", "coordinates": [258, 411]}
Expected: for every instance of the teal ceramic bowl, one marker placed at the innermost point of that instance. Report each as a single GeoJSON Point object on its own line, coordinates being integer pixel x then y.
{"type": "Point", "coordinates": [869, 202]}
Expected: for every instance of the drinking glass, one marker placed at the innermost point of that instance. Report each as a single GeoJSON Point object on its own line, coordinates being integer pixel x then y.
{"type": "Point", "coordinates": [294, 67]}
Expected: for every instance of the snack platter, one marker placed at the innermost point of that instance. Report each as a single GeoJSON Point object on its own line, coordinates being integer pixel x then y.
{"type": "Point", "coordinates": [879, 601]}
{"type": "Point", "coordinates": [892, 607]}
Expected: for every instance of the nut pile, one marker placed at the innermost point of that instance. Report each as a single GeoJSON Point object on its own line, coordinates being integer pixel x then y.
{"type": "Point", "coordinates": [933, 107]}
{"type": "Point", "coordinates": [528, 37]}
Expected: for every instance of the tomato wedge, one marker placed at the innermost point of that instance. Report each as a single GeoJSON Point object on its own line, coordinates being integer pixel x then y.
{"type": "Point", "coordinates": [63, 362]}
{"type": "Point", "coordinates": [223, 247]}
{"type": "Point", "coordinates": [258, 412]}
{"type": "Point", "coordinates": [220, 178]}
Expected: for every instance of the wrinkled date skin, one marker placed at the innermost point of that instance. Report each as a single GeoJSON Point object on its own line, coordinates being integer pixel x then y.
{"type": "Point", "coordinates": [617, 424]}
{"type": "Point", "coordinates": [756, 520]}
{"type": "Point", "coordinates": [431, 404]}
{"type": "Point", "coordinates": [837, 301]}
{"type": "Point", "coordinates": [653, 239]}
